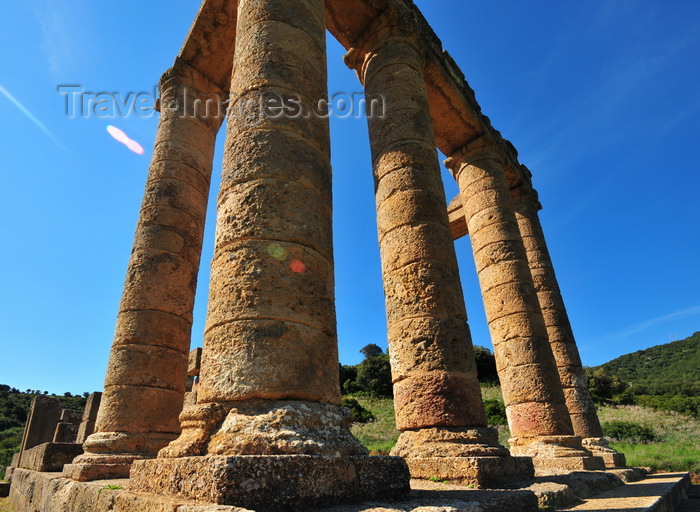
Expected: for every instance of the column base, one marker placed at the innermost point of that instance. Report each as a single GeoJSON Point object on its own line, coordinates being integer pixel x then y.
{"type": "Point", "coordinates": [479, 472]}
{"type": "Point", "coordinates": [99, 467]}
{"type": "Point", "coordinates": [554, 454]}
{"type": "Point", "coordinates": [274, 482]}
{"type": "Point", "coordinates": [598, 446]}
{"type": "Point", "coordinates": [461, 455]}
{"type": "Point", "coordinates": [110, 454]}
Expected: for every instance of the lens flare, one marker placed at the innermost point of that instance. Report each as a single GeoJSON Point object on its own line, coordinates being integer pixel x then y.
{"type": "Point", "coordinates": [277, 251]}
{"type": "Point", "coordinates": [297, 266]}
{"type": "Point", "coordinates": [134, 146]}
{"type": "Point", "coordinates": [122, 137]}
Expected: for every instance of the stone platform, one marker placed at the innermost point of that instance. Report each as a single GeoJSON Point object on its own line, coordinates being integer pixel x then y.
{"type": "Point", "coordinates": [277, 482]}
{"type": "Point", "coordinates": [51, 492]}
{"type": "Point", "coordinates": [662, 492]}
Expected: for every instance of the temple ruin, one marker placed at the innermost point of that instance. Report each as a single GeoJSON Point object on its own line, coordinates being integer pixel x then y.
{"type": "Point", "coordinates": [263, 427]}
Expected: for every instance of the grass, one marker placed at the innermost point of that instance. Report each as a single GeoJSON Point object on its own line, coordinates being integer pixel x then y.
{"type": "Point", "coordinates": [677, 450]}
{"type": "Point", "coordinates": [679, 445]}
{"type": "Point", "coordinates": [380, 435]}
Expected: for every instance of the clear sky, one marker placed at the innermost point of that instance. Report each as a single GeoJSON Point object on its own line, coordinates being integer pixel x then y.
{"type": "Point", "coordinates": [600, 98]}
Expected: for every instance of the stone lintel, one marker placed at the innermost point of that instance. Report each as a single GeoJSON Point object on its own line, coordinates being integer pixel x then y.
{"type": "Point", "coordinates": [50, 456]}
{"type": "Point", "coordinates": [479, 472]}
{"type": "Point", "coordinates": [274, 482]}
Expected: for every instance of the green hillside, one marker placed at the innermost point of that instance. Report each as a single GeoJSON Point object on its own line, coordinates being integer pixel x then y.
{"type": "Point", "coordinates": [14, 407]}
{"type": "Point", "coordinates": [672, 368]}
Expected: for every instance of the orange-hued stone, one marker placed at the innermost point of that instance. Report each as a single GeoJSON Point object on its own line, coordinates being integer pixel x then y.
{"type": "Point", "coordinates": [144, 385]}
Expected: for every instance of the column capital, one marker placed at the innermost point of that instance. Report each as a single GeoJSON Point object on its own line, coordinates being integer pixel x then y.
{"type": "Point", "coordinates": [183, 74]}
{"type": "Point", "coordinates": [526, 197]}
{"type": "Point", "coordinates": [397, 22]}
{"type": "Point", "coordinates": [483, 147]}
{"type": "Point", "coordinates": [189, 93]}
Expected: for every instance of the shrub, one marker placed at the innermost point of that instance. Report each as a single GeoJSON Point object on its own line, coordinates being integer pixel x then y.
{"type": "Point", "coordinates": [495, 412]}
{"type": "Point", "coordinates": [629, 432]}
{"type": "Point", "coordinates": [485, 366]}
{"type": "Point", "coordinates": [361, 415]}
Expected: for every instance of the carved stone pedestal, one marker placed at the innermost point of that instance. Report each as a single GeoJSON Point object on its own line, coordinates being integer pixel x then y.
{"type": "Point", "coordinates": [552, 454]}
{"type": "Point", "coordinates": [462, 456]}
{"type": "Point", "coordinates": [598, 446]}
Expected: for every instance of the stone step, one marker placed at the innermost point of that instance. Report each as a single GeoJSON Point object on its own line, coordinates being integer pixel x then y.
{"type": "Point", "coordinates": [692, 502]}
{"type": "Point", "coordinates": [662, 492]}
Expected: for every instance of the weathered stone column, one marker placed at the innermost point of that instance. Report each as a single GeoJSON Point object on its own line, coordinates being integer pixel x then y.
{"type": "Point", "coordinates": [436, 392]}
{"type": "Point", "coordinates": [537, 415]}
{"type": "Point", "coordinates": [267, 429]}
{"type": "Point", "coordinates": [145, 381]}
{"type": "Point", "coordinates": [561, 338]}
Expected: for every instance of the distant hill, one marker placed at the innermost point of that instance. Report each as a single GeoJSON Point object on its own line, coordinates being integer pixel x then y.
{"type": "Point", "coordinates": [670, 368]}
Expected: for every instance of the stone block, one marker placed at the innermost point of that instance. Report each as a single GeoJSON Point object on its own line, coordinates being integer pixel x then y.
{"type": "Point", "coordinates": [613, 460]}
{"type": "Point", "coordinates": [278, 482]}
{"type": "Point", "coordinates": [44, 414]}
{"type": "Point", "coordinates": [479, 472]}
{"type": "Point", "coordinates": [65, 432]}
{"type": "Point", "coordinates": [50, 456]}
{"type": "Point", "coordinates": [97, 471]}
{"type": "Point", "coordinates": [553, 465]}
{"type": "Point", "coordinates": [4, 489]}
{"type": "Point", "coordinates": [92, 406]}
{"type": "Point", "coordinates": [71, 416]}
{"type": "Point", "coordinates": [194, 362]}
{"type": "Point", "coordinates": [84, 430]}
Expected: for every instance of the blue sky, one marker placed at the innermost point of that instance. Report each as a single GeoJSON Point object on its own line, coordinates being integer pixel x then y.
{"type": "Point", "coordinates": [600, 98]}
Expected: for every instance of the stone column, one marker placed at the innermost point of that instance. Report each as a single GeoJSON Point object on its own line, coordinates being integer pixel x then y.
{"type": "Point", "coordinates": [145, 382]}
{"type": "Point", "coordinates": [561, 338]}
{"type": "Point", "coordinates": [268, 396]}
{"type": "Point", "coordinates": [537, 415]}
{"type": "Point", "coordinates": [436, 392]}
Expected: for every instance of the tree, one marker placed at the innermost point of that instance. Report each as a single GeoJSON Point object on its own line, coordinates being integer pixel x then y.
{"type": "Point", "coordinates": [374, 376]}
{"type": "Point", "coordinates": [371, 350]}
{"type": "Point", "coordinates": [604, 388]}
{"type": "Point", "coordinates": [485, 366]}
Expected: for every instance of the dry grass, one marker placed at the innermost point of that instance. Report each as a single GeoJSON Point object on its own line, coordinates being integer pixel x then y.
{"type": "Point", "coordinates": [5, 505]}
{"type": "Point", "coordinates": [678, 449]}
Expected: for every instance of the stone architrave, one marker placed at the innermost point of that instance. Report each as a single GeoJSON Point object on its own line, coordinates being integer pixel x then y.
{"type": "Point", "coordinates": [535, 405]}
{"type": "Point", "coordinates": [436, 392]}
{"type": "Point", "coordinates": [44, 414]}
{"type": "Point", "coordinates": [87, 425]}
{"type": "Point", "coordinates": [145, 381]}
{"type": "Point", "coordinates": [267, 429]}
{"type": "Point", "coordinates": [561, 338]}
